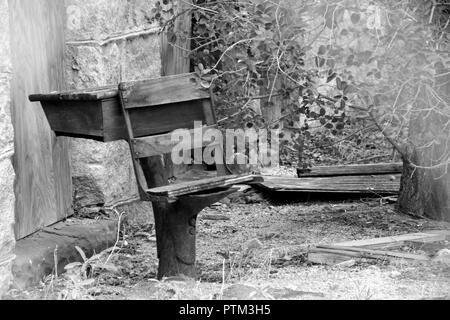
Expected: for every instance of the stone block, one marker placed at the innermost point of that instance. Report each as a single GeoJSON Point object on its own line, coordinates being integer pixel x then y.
{"type": "Point", "coordinates": [103, 173]}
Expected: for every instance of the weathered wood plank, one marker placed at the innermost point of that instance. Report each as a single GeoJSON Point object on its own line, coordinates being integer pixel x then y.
{"type": "Point", "coordinates": [75, 118]}
{"type": "Point", "coordinates": [162, 144]}
{"type": "Point", "coordinates": [396, 241]}
{"type": "Point", "coordinates": [331, 255]}
{"type": "Point", "coordinates": [62, 176]}
{"type": "Point", "coordinates": [330, 258]}
{"type": "Point", "coordinates": [160, 91]}
{"type": "Point", "coordinates": [377, 254]}
{"type": "Point", "coordinates": [166, 118]}
{"type": "Point", "coordinates": [208, 111]}
{"type": "Point", "coordinates": [371, 248]}
{"type": "Point", "coordinates": [185, 188]}
{"type": "Point", "coordinates": [91, 94]}
{"type": "Point", "coordinates": [381, 184]}
{"type": "Point", "coordinates": [114, 127]}
{"type": "Point", "coordinates": [103, 120]}
{"type": "Point", "coordinates": [352, 170]}
{"type": "Point", "coordinates": [215, 217]}
{"type": "Point", "coordinates": [41, 162]}
{"type": "Point", "coordinates": [175, 56]}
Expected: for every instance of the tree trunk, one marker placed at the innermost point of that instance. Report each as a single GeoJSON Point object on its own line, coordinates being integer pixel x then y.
{"type": "Point", "coordinates": [425, 192]}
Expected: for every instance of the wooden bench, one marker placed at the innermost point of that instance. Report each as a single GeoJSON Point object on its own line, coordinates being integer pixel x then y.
{"type": "Point", "coordinates": [175, 206]}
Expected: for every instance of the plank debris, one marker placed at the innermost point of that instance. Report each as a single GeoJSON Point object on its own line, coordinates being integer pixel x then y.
{"type": "Point", "coordinates": [351, 170]}
{"type": "Point", "coordinates": [381, 185]}
{"type": "Point", "coordinates": [370, 249]}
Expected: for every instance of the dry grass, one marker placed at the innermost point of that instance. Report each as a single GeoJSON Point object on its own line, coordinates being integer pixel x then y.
{"type": "Point", "coordinates": [261, 254]}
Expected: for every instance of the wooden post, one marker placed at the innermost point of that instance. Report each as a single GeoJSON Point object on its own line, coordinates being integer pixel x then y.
{"type": "Point", "coordinates": [174, 56]}
{"type": "Point", "coordinates": [175, 59]}
{"type": "Point", "coordinates": [176, 223]}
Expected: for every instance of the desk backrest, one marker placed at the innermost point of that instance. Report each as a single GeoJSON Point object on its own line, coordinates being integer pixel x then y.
{"type": "Point", "coordinates": [158, 106]}
{"type": "Point", "coordinates": [154, 108]}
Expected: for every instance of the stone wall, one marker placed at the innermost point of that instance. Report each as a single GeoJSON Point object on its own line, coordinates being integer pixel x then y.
{"type": "Point", "coordinates": [108, 41]}
{"type": "Point", "coordinates": [7, 176]}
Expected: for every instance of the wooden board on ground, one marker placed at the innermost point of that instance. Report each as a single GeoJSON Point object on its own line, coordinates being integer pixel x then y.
{"type": "Point", "coordinates": [368, 185]}
{"type": "Point", "coordinates": [334, 255]}
{"type": "Point", "coordinates": [352, 170]}
{"type": "Point", "coordinates": [378, 248]}
{"type": "Point", "coordinates": [398, 241]}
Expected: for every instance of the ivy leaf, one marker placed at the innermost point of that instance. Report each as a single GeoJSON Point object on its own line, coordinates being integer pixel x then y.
{"type": "Point", "coordinates": [339, 83]}
{"type": "Point", "coordinates": [172, 37]}
{"type": "Point", "coordinates": [320, 62]}
{"type": "Point", "coordinates": [348, 89]}
{"type": "Point", "coordinates": [322, 50]}
{"type": "Point", "coordinates": [356, 18]}
{"type": "Point", "coordinates": [350, 60]}
{"type": "Point", "coordinates": [331, 63]}
{"type": "Point", "coordinates": [331, 77]}
{"type": "Point", "coordinates": [329, 17]}
{"type": "Point", "coordinates": [205, 85]}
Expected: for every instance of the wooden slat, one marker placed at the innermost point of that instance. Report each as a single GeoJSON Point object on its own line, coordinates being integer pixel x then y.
{"type": "Point", "coordinates": [370, 248]}
{"type": "Point", "coordinates": [377, 254]}
{"type": "Point", "coordinates": [209, 113]}
{"type": "Point", "coordinates": [396, 241]}
{"type": "Point", "coordinates": [330, 258]}
{"type": "Point", "coordinates": [138, 170]}
{"type": "Point", "coordinates": [62, 170]}
{"type": "Point", "coordinates": [165, 90]}
{"type": "Point", "coordinates": [75, 118]}
{"type": "Point", "coordinates": [92, 94]}
{"type": "Point", "coordinates": [166, 118]}
{"type": "Point", "coordinates": [190, 187]}
{"type": "Point", "coordinates": [331, 255]}
{"type": "Point", "coordinates": [175, 57]}
{"type": "Point", "coordinates": [41, 162]}
{"type": "Point", "coordinates": [103, 120]}
{"type": "Point", "coordinates": [382, 184]}
{"type": "Point", "coordinates": [352, 170]}
{"type": "Point", "coordinates": [163, 144]}
{"type": "Point", "coordinates": [114, 127]}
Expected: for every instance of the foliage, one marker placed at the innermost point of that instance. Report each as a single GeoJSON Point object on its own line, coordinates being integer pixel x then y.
{"type": "Point", "coordinates": [330, 64]}
{"type": "Point", "coordinates": [387, 62]}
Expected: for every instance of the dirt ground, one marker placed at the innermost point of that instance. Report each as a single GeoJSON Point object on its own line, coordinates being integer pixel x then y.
{"type": "Point", "coordinates": [258, 250]}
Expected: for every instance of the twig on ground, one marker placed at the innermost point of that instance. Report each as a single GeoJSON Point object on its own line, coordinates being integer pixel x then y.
{"type": "Point", "coordinates": [223, 280]}
{"type": "Point", "coordinates": [118, 234]}
{"type": "Point", "coordinates": [55, 261]}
